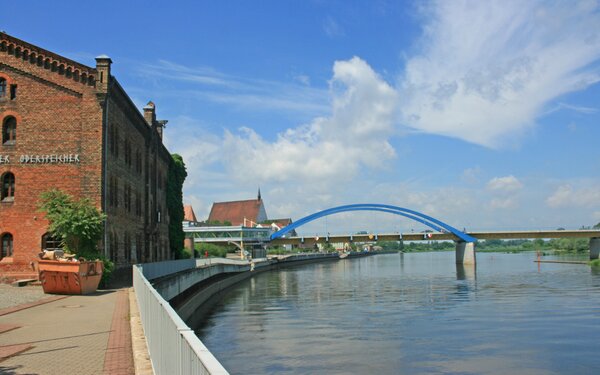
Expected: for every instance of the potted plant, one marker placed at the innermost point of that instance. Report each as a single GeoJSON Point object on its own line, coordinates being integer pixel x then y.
{"type": "Point", "coordinates": [79, 226]}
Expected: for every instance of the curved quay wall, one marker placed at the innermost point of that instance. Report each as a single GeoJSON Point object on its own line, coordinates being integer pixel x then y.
{"type": "Point", "coordinates": [173, 346]}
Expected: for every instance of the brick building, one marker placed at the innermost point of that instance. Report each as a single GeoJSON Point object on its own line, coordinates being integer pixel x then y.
{"type": "Point", "coordinates": [247, 212]}
{"type": "Point", "coordinates": [69, 126]}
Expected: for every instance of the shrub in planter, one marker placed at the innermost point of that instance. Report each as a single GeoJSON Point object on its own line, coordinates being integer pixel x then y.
{"type": "Point", "coordinates": [78, 224]}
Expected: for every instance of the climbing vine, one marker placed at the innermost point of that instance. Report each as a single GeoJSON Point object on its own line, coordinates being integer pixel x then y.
{"type": "Point", "coordinates": [176, 176]}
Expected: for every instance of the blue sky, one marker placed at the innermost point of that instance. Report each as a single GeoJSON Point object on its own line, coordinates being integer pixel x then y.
{"type": "Point", "coordinates": [482, 114]}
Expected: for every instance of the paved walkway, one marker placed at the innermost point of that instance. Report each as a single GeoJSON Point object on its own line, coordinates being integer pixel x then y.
{"type": "Point", "coordinates": [72, 335]}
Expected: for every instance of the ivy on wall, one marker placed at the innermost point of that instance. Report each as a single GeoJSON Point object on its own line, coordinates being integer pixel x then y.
{"type": "Point", "coordinates": [175, 178]}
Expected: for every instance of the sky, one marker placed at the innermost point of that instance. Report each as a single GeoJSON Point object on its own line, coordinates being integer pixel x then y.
{"type": "Point", "coordinates": [483, 114]}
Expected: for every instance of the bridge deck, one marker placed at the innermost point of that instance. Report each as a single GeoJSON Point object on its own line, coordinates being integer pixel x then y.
{"type": "Point", "coordinates": [440, 236]}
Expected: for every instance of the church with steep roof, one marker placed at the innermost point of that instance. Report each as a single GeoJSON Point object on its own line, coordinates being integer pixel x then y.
{"type": "Point", "coordinates": [244, 212]}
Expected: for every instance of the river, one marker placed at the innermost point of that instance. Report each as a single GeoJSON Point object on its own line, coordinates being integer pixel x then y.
{"type": "Point", "coordinates": [413, 313]}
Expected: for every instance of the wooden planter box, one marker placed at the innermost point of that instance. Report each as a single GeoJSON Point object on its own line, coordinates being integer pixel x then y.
{"type": "Point", "coordinates": [69, 277]}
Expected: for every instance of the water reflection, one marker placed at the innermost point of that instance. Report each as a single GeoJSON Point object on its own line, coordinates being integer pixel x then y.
{"type": "Point", "coordinates": [466, 272]}
{"type": "Point", "coordinates": [411, 314]}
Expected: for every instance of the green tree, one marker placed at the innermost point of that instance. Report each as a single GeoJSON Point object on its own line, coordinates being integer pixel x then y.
{"type": "Point", "coordinates": [175, 178]}
{"type": "Point", "coordinates": [597, 226]}
{"type": "Point", "coordinates": [328, 247]}
{"type": "Point", "coordinates": [78, 223]}
{"type": "Point", "coordinates": [213, 250]}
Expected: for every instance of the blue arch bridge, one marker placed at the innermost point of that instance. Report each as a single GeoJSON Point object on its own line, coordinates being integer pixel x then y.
{"type": "Point", "coordinates": [465, 242]}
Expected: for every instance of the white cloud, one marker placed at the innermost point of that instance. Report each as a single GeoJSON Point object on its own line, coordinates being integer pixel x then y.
{"type": "Point", "coordinates": [303, 79]}
{"type": "Point", "coordinates": [487, 69]}
{"type": "Point", "coordinates": [567, 196]}
{"type": "Point", "coordinates": [471, 175]}
{"type": "Point", "coordinates": [504, 192]}
{"type": "Point", "coordinates": [332, 28]}
{"type": "Point", "coordinates": [506, 184]}
{"type": "Point", "coordinates": [575, 108]}
{"type": "Point", "coordinates": [503, 203]}
{"type": "Point", "coordinates": [209, 84]}
{"type": "Point", "coordinates": [329, 149]}
{"type": "Point", "coordinates": [310, 162]}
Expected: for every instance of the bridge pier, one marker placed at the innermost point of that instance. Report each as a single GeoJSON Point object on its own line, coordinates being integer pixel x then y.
{"type": "Point", "coordinates": [594, 248]}
{"type": "Point", "coordinates": [465, 252]}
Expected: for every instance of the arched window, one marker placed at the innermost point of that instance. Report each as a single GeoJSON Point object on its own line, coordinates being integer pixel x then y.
{"type": "Point", "coordinates": [9, 131]}
{"type": "Point", "coordinates": [51, 243]}
{"type": "Point", "coordinates": [2, 87]}
{"type": "Point", "coordinates": [6, 245]}
{"type": "Point", "coordinates": [8, 187]}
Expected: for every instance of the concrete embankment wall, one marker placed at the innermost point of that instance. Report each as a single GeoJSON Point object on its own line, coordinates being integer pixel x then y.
{"type": "Point", "coordinates": [188, 291]}
{"type": "Point", "coordinates": [173, 285]}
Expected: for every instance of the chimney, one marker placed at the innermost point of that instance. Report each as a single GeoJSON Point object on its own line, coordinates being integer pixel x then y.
{"type": "Point", "coordinates": [150, 114]}
{"type": "Point", "coordinates": [103, 63]}
{"type": "Point", "coordinates": [161, 124]}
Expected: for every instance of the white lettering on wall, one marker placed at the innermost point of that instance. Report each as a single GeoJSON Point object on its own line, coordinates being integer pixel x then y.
{"type": "Point", "coordinates": [49, 159]}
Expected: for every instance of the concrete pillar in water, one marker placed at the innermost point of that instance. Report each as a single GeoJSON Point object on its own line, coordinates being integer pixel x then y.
{"type": "Point", "coordinates": [594, 248]}
{"type": "Point", "coordinates": [466, 272]}
{"type": "Point", "coordinates": [465, 252]}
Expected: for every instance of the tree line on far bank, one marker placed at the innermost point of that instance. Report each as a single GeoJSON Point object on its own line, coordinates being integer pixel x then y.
{"type": "Point", "coordinates": [570, 245]}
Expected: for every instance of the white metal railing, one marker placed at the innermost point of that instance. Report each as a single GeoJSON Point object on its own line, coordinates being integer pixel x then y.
{"type": "Point", "coordinates": [174, 348]}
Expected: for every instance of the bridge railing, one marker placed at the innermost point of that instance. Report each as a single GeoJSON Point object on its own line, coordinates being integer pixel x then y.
{"type": "Point", "coordinates": [174, 348]}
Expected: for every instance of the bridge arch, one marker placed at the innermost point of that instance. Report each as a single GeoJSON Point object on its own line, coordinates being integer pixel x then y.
{"type": "Point", "coordinates": [411, 214]}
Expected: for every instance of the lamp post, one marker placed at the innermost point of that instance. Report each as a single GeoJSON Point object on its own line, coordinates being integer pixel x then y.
{"type": "Point", "coordinates": [242, 241]}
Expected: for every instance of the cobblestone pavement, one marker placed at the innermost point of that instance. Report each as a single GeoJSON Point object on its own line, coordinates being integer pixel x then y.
{"type": "Point", "coordinates": [12, 296]}
{"type": "Point", "coordinates": [67, 336]}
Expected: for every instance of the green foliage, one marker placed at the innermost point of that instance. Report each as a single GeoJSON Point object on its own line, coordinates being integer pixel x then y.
{"type": "Point", "coordinates": [597, 226]}
{"type": "Point", "coordinates": [570, 245]}
{"type": "Point", "coordinates": [175, 178]}
{"type": "Point", "coordinates": [213, 250]}
{"type": "Point", "coordinates": [328, 247]}
{"type": "Point", "coordinates": [391, 245]}
{"type": "Point", "coordinates": [78, 223]}
{"type": "Point", "coordinates": [277, 250]}
{"type": "Point", "coordinates": [187, 253]}
{"type": "Point", "coordinates": [217, 223]}
{"type": "Point", "coordinates": [428, 246]}
{"type": "Point", "coordinates": [595, 263]}
{"type": "Point", "coordinates": [108, 269]}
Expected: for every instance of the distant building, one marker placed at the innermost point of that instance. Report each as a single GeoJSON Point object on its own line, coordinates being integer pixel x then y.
{"type": "Point", "coordinates": [246, 213]}
{"type": "Point", "coordinates": [278, 224]}
{"type": "Point", "coordinates": [189, 217]}
{"type": "Point", "coordinates": [73, 127]}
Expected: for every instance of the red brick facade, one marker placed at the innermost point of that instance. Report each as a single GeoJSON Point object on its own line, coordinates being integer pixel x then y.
{"type": "Point", "coordinates": [78, 131]}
